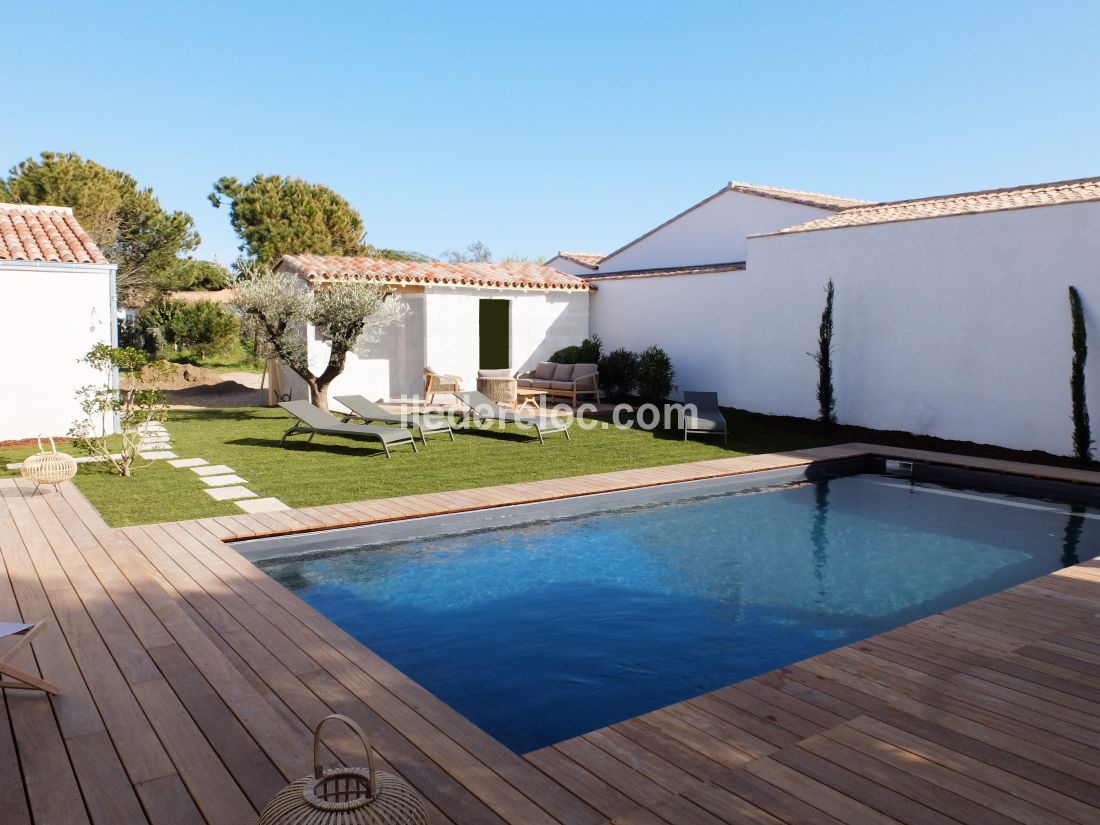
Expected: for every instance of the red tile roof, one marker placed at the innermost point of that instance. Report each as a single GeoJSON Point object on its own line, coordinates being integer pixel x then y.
{"type": "Point", "coordinates": [796, 195]}
{"type": "Point", "coordinates": [44, 233]}
{"type": "Point", "coordinates": [588, 259]}
{"type": "Point", "coordinates": [965, 203]}
{"type": "Point", "coordinates": [331, 268]}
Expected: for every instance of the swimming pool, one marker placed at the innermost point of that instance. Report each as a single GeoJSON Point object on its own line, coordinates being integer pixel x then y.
{"type": "Point", "coordinates": [545, 629]}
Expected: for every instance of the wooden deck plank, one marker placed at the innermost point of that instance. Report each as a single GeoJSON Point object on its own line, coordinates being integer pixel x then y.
{"type": "Point", "coordinates": [195, 680]}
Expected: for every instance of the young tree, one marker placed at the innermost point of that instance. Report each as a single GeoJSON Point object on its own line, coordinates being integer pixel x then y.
{"type": "Point", "coordinates": [344, 315]}
{"type": "Point", "coordinates": [192, 274]}
{"type": "Point", "coordinates": [137, 403]}
{"type": "Point", "coordinates": [126, 222]}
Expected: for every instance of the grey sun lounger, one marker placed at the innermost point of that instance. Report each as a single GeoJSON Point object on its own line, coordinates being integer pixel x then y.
{"type": "Point", "coordinates": [367, 411]}
{"type": "Point", "coordinates": [708, 418]}
{"type": "Point", "coordinates": [315, 421]}
{"type": "Point", "coordinates": [483, 408]}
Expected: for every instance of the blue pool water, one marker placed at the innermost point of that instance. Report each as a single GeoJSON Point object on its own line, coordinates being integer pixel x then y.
{"type": "Point", "coordinates": [542, 632]}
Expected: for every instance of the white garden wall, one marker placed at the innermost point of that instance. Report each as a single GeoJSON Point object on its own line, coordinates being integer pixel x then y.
{"type": "Point", "coordinates": [712, 232]}
{"type": "Point", "coordinates": [956, 327]}
{"type": "Point", "coordinates": [53, 314]}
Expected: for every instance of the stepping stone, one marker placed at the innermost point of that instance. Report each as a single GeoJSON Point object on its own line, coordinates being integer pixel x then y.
{"type": "Point", "coordinates": [187, 462]}
{"type": "Point", "coordinates": [158, 454]}
{"type": "Point", "coordinates": [261, 505]}
{"type": "Point", "coordinates": [211, 469]}
{"type": "Point", "coordinates": [229, 493]}
{"type": "Point", "coordinates": [223, 481]}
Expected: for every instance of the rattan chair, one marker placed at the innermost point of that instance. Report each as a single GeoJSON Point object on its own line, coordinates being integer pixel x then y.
{"type": "Point", "coordinates": [437, 382]}
{"type": "Point", "coordinates": [500, 389]}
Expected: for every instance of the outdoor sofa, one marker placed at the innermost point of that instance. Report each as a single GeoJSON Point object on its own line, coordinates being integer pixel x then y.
{"type": "Point", "coordinates": [708, 418]}
{"type": "Point", "coordinates": [563, 380]}
{"type": "Point", "coordinates": [369, 412]}
{"type": "Point", "coordinates": [315, 421]}
{"type": "Point", "coordinates": [483, 408]}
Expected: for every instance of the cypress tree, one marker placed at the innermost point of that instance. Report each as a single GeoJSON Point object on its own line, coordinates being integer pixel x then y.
{"type": "Point", "coordinates": [1082, 433]}
{"type": "Point", "coordinates": [826, 397]}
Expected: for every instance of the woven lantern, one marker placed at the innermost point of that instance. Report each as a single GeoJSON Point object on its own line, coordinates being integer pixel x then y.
{"type": "Point", "coordinates": [345, 796]}
{"type": "Point", "coordinates": [48, 466]}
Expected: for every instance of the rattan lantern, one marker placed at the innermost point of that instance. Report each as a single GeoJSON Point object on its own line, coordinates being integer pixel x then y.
{"type": "Point", "coordinates": [347, 796]}
{"type": "Point", "coordinates": [48, 467]}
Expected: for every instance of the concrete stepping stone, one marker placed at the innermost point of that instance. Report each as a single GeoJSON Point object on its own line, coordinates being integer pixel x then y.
{"type": "Point", "coordinates": [155, 454]}
{"type": "Point", "coordinates": [261, 505]}
{"type": "Point", "coordinates": [223, 481]}
{"type": "Point", "coordinates": [187, 462]}
{"type": "Point", "coordinates": [211, 469]}
{"type": "Point", "coordinates": [229, 493]}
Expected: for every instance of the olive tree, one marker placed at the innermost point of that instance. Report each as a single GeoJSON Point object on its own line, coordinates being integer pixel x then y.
{"type": "Point", "coordinates": [346, 316]}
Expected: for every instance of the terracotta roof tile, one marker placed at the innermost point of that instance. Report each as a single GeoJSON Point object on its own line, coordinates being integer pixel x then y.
{"type": "Point", "coordinates": [44, 233]}
{"type": "Point", "coordinates": [331, 268]}
{"type": "Point", "coordinates": [966, 203]}
{"type": "Point", "coordinates": [589, 259]}
{"type": "Point", "coordinates": [796, 195]}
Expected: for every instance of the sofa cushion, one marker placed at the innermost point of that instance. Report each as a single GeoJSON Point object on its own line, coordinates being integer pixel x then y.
{"type": "Point", "coordinates": [494, 373]}
{"type": "Point", "coordinates": [563, 372]}
{"type": "Point", "coordinates": [584, 369]}
{"type": "Point", "coordinates": [566, 386]}
{"type": "Point", "coordinates": [545, 370]}
{"type": "Point", "coordinates": [525, 382]}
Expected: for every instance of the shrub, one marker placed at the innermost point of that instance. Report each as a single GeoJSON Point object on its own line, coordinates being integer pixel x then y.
{"type": "Point", "coordinates": [655, 374]}
{"type": "Point", "coordinates": [619, 372]}
{"type": "Point", "coordinates": [587, 352]}
{"type": "Point", "coordinates": [205, 328]}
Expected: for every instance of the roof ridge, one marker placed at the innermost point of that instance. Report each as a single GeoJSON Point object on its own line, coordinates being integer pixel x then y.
{"type": "Point", "coordinates": [36, 209]}
{"type": "Point", "coordinates": [976, 192]}
{"type": "Point", "coordinates": [752, 188]}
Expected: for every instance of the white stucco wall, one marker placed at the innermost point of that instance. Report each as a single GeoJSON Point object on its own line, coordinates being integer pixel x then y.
{"type": "Point", "coordinates": [957, 327]}
{"type": "Point", "coordinates": [712, 233]}
{"type": "Point", "coordinates": [540, 324]}
{"type": "Point", "coordinates": [52, 315]}
{"type": "Point", "coordinates": [441, 331]}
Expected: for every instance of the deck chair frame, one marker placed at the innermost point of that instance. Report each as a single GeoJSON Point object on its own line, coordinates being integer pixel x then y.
{"type": "Point", "coordinates": [20, 679]}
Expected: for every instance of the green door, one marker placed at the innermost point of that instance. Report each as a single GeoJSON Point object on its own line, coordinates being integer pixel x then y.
{"type": "Point", "coordinates": [493, 325]}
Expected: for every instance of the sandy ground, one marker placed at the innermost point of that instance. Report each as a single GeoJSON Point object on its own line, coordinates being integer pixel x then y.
{"type": "Point", "coordinates": [234, 389]}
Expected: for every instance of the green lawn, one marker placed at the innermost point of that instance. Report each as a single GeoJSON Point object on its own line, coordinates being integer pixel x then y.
{"type": "Point", "coordinates": [332, 470]}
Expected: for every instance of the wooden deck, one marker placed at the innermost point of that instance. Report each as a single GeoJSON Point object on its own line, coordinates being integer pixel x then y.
{"type": "Point", "coordinates": [190, 682]}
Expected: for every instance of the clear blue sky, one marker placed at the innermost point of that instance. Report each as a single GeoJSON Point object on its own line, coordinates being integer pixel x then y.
{"type": "Point", "coordinates": [560, 125]}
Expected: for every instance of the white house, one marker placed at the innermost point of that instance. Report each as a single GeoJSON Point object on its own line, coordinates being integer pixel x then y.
{"type": "Point", "coordinates": [951, 318]}
{"type": "Point", "coordinates": [58, 296]}
{"type": "Point", "coordinates": [462, 318]}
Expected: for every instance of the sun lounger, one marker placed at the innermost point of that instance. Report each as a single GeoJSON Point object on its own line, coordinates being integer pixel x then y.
{"type": "Point", "coordinates": [708, 418]}
{"type": "Point", "coordinates": [483, 408]}
{"type": "Point", "coordinates": [20, 679]}
{"type": "Point", "coordinates": [316, 421]}
{"type": "Point", "coordinates": [367, 411]}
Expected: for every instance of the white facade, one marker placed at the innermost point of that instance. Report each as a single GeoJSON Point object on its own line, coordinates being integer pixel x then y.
{"type": "Point", "coordinates": [956, 327]}
{"type": "Point", "coordinates": [441, 331]}
{"type": "Point", "coordinates": [711, 232]}
{"type": "Point", "coordinates": [54, 313]}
